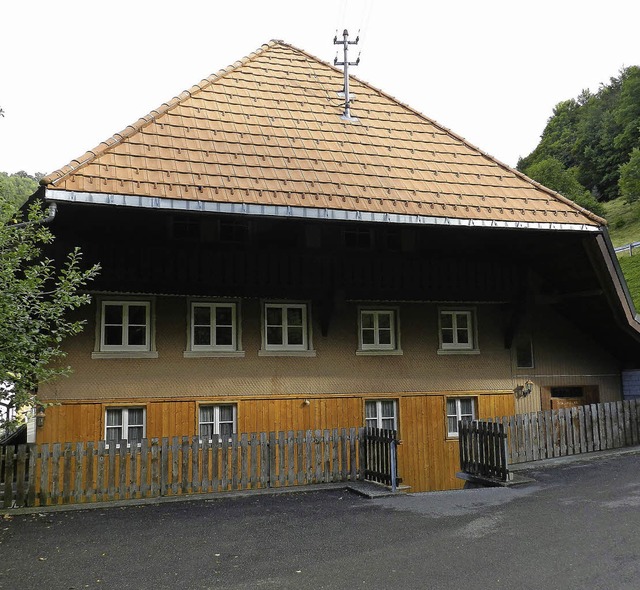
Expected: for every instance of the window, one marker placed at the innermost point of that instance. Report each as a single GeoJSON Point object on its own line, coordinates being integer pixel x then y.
{"type": "Point", "coordinates": [234, 231]}
{"type": "Point", "coordinates": [524, 354]}
{"type": "Point", "coordinates": [381, 414]}
{"type": "Point", "coordinates": [567, 392]}
{"type": "Point", "coordinates": [378, 330]}
{"type": "Point", "coordinates": [285, 327]}
{"type": "Point", "coordinates": [213, 327]}
{"type": "Point", "coordinates": [358, 238]}
{"type": "Point", "coordinates": [217, 422]}
{"type": "Point", "coordinates": [186, 228]}
{"type": "Point", "coordinates": [459, 408]}
{"type": "Point", "coordinates": [457, 330]}
{"type": "Point", "coordinates": [124, 424]}
{"type": "Point", "coordinates": [125, 326]}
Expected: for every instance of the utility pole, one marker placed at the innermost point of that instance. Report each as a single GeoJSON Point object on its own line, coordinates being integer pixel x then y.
{"type": "Point", "coordinates": [346, 63]}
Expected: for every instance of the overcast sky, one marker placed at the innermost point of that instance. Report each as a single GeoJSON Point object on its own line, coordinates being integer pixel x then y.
{"type": "Point", "coordinates": [74, 72]}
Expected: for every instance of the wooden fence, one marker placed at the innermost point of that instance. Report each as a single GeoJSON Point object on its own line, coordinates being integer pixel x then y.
{"type": "Point", "coordinates": [488, 448]}
{"type": "Point", "coordinates": [483, 449]}
{"type": "Point", "coordinates": [571, 431]}
{"type": "Point", "coordinates": [42, 475]}
{"type": "Point", "coordinates": [380, 456]}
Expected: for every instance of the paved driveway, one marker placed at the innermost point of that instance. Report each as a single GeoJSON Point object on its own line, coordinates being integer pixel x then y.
{"type": "Point", "coordinates": [576, 527]}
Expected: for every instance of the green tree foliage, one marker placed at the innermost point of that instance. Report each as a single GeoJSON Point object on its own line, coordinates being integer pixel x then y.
{"type": "Point", "coordinates": [36, 296]}
{"type": "Point", "coordinates": [594, 134]}
{"type": "Point", "coordinates": [16, 188]}
{"type": "Point", "coordinates": [552, 174]}
{"type": "Point", "coordinates": [630, 177]}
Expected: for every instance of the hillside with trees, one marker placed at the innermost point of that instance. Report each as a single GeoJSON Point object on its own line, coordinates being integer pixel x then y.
{"type": "Point", "coordinates": [590, 149]}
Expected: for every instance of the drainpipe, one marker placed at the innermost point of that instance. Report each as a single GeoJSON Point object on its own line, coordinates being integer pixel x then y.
{"type": "Point", "coordinates": [53, 209]}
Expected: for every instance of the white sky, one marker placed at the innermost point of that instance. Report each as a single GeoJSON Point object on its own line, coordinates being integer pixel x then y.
{"type": "Point", "coordinates": [74, 72]}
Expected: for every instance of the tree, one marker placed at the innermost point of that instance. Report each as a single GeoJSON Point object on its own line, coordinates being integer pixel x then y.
{"type": "Point", "coordinates": [552, 174]}
{"type": "Point", "coordinates": [16, 188]}
{"type": "Point", "coordinates": [36, 296]}
{"type": "Point", "coordinates": [630, 178]}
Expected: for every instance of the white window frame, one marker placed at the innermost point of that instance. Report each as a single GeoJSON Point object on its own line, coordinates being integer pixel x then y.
{"type": "Point", "coordinates": [379, 417]}
{"type": "Point", "coordinates": [105, 351]}
{"type": "Point", "coordinates": [216, 419]}
{"type": "Point", "coordinates": [458, 415]}
{"type": "Point", "coordinates": [214, 349]}
{"type": "Point", "coordinates": [376, 347]}
{"type": "Point", "coordinates": [456, 347]}
{"type": "Point", "coordinates": [284, 348]}
{"type": "Point", "coordinates": [124, 427]}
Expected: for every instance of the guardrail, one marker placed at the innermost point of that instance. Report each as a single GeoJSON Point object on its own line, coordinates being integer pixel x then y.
{"type": "Point", "coordinates": [627, 247]}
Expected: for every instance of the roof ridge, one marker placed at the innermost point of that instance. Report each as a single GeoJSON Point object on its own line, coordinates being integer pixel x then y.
{"type": "Point", "coordinates": [130, 130]}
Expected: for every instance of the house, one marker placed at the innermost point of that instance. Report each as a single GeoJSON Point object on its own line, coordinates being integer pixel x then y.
{"type": "Point", "coordinates": [269, 264]}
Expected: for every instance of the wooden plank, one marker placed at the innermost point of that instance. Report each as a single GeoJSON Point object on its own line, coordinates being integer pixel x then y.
{"type": "Point", "coordinates": [317, 448]}
{"type": "Point", "coordinates": [253, 479]}
{"type": "Point", "coordinates": [111, 472]}
{"type": "Point", "coordinates": [344, 452]}
{"type": "Point", "coordinates": [21, 475]}
{"type": "Point", "coordinates": [309, 457]}
{"type": "Point", "coordinates": [608, 427]}
{"type": "Point", "coordinates": [234, 461]}
{"type": "Point", "coordinates": [122, 469]}
{"type": "Point", "coordinates": [626, 412]}
{"type": "Point", "coordinates": [194, 486]}
{"type": "Point", "coordinates": [79, 491]}
{"type": "Point", "coordinates": [264, 460]}
{"type": "Point", "coordinates": [144, 467]}
{"type": "Point", "coordinates": [32, 453]}
{"type": "Point", "coordinates": [134, 478]}
{"type": "Point", "coordinates": [66, 473]}
{"type": "Point", "coordinates": [184, 456]}
{"type": "Point", "coordinates": [548, 434]}
{"type": "Point", "coordinates": [582, 429]}
{"type": "Point", "coordinates": [164, 466]}
{"type": "Point", "coordinates": [291, 458]}
{"type": "Point", "coordinates": [300, 444]}
{"type": "Point", "coordinates": [215, 465]}
{"type": "Point", "coordinates": [9, 452]}
{"type": "Point", "coordinates": [155, 468]}
{"type": "Point", "coordinates": [175, 465]}
{"type": "Point", "coordinates": [634, 415]}
{"type": "Point", "coordinates": [244, 446]}
{"type": "Point", "coordinates": [326, 447]}
{"type": "Point", "coordinates": [205, 483]}
{"type": "Point", "coordinates": [335, 461]}
{"type": "Point", "coordinates": [55, 473]}
{"type": "Point", "coordinates": [44, 496]}
{"type": "Point", "coordinates": [353, 454]}
{"type": "Point", "coordinates": [282, 456]}
{"type": "Point", "coordinates": [597, 418]}
{"type": "Point", "coordinates": [224, 465]}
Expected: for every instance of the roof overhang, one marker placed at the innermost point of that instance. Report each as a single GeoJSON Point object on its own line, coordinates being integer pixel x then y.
{"type": "Point", "coordinates": [297, 212]}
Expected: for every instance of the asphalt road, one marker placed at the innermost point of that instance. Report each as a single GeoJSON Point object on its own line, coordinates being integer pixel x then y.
{"type": "Point", "coordinates": [576, 527]}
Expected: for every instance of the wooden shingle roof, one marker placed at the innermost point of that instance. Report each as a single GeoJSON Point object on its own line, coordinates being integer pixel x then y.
{"type": "Point", "coordinates": [268, 131]}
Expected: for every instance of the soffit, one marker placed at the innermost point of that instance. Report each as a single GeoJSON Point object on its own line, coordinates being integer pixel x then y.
{"type": "Point", "coordinates": [268, 131]}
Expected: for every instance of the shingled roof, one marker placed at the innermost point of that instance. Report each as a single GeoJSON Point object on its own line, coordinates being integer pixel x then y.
{"type": "Point", "coordinates": [267, 134]}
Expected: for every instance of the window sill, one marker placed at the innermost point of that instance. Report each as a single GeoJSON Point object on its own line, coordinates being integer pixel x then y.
{"type": "Point", "coordinates": [379, 352]}
{"type": "Point", "coordinates": [195, 354]}
{"type": "Point", "coordinates": [125, 354]}
{"type": "Point", "coordinates": [445, 351]}
{"type": "Point", "coordinates": [301, 353]}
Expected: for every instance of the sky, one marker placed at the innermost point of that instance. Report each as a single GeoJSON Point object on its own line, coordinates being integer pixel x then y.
{"type": "Point", "coordinates": [73, 73]}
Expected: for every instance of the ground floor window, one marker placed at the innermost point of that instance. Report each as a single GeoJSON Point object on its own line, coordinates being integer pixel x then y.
{"type": "Point", "coordinates": [124, 424]}
{"type": "Point", "coordinates": [381, 414]}
{"type": "Point", "coordinates": [217, 422]}
{"type": "Point", "coordinates": [459, 408]}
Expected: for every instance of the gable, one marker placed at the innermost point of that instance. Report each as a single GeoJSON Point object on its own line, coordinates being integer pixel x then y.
{"type": "Point", "coordinates": [265, 136]}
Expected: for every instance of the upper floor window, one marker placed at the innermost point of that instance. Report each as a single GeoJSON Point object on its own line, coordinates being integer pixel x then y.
{"type": "Point", "coordinates": [213, 326]}
{"type": "Point", "coordinates": [234, 231]}
{"type": "Point", "coordinates": [457, 330]}
{"type": "Point", "coordinates": [125, 326]}
{"type": "Point", "coordinates": [217, 422]}
{"type": "Point", "coordinates": [285, 327]}
{"type": "Point", "coordinates": [381, 414]}
{"type": "Point", "coordinates": [358, 238]}
{"type": "Point", "coordinates": [124, 424]}
{"type": "Point", "coordinates": [524, 354]}
{"type": "Point", "coordinates": [459, 408]}
{"type": "Point", "coordinates": [378, 330]}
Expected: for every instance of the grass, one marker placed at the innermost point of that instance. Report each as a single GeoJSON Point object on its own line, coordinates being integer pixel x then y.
{"type": "Point", "coordinates": [624, 228]}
